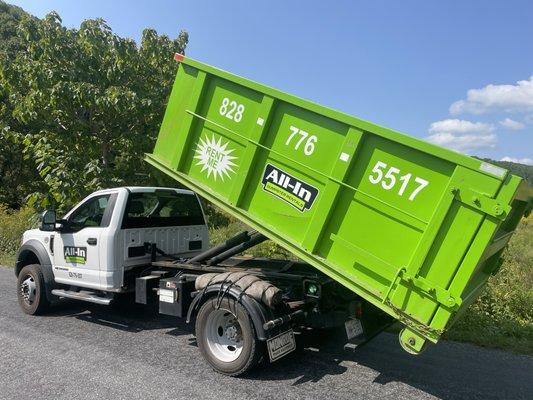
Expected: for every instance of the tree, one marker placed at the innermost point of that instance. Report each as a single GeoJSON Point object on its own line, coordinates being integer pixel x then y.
{"type": "Point", "coordinates": [10, 17]}
{"type": "Point", "coordinates": [85, 104]}
{"type": "Point", "coordinates": [16, 175]}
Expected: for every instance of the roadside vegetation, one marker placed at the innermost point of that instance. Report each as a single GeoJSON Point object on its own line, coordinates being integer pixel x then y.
{"type": "Point", "coordinates": [12, 226]}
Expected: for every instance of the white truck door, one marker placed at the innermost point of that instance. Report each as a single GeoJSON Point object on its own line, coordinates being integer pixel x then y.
{"type": "Point", "coordinates": [76, 246]}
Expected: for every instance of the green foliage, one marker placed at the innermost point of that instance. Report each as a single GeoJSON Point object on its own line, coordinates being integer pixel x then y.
{"type": "Point", "coordinates": [215, 217]}
{"type": "Point", "coordinates": [503, 314]}
{"type": "Point", "coordinates": [266, 249]}
{"type": "Point", "coordinates": [82, 106]}
{"type": "Point", "coordinates": [15, 173]}
{"type": "Point", "coordinates": [10, 16]}
{"type": "Point", "coordinates": [12, 226]}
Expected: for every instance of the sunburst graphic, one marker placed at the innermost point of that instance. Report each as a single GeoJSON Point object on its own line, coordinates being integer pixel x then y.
{"type": "Point", "coordinates": [215, 157]}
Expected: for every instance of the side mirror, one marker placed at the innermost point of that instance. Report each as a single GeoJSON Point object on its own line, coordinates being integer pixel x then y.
{"type": "Point", "coordinates": [48, 221]}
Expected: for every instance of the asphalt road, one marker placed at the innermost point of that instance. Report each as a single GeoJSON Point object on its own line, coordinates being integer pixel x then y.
{"type": "Point", "coordinates": [83, 351]}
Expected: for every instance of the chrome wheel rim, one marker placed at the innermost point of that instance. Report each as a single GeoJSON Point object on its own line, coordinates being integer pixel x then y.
{"type": "Point", "coordinates": [224, 335]}
{"type": "Point", "coordinates": [28, 289]}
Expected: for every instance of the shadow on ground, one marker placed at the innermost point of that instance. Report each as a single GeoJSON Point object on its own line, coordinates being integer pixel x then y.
{"type": "Point", "coordinates": [448, 371]}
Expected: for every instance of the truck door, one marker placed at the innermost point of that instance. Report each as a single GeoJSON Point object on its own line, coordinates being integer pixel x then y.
{"type": "Point", "coordinates": [76, 248]}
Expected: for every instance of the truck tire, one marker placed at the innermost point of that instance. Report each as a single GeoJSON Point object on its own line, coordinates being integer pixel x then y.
{"type": "Point", "coordinates": [31, 290]}
{"type": "Point", "coordinates": [226, 337]}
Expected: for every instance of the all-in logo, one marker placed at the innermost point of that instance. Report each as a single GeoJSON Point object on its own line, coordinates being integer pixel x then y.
{"type": "Point", "coordinates": [215, 158]}
{"type": "Point", "coordinates": [75, 255]}
{"type": "Point", "coordinates": [294, 191]}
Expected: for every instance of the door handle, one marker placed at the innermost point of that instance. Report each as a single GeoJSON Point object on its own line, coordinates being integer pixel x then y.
{"type": "Point", "coordinates": [91, 241]}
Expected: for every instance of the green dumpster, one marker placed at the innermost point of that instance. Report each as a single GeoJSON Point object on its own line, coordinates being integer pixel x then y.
{"type": "Point", "coordinates": [411, 227]}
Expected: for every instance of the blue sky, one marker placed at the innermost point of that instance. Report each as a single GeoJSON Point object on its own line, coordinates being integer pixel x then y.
{"type": "Point", "coordinates": [458, 73]}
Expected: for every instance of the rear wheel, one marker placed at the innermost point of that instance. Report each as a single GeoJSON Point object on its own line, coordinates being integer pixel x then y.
{"type": "Point", "coordinates": [31, 290]}
{"type": "Point", "coordinates": [226, 337]}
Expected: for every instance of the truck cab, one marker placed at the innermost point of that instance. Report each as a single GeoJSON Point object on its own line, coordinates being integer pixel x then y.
{"type": "Point", "coordinates": [102, 240]}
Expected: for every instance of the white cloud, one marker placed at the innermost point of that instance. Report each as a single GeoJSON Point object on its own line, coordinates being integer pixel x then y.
{"type": "Point", "coordinates": [462, 135]}
{"type": "Point", "coordinates": [527, 161]}
{"type": "Point", "coordinates": [508, 98]}
{"type": "Point", "coordinates": [464, 143]}
{"type": "Point", "coordinates": [460, 126]}
{"type": "Point", "coordinates": [512, 124]}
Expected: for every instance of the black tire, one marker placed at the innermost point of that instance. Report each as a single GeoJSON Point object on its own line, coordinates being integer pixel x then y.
{"type": "Point", "coordinates": [31, 290]}
{"type": "Point", "coordinates": [252, 349]}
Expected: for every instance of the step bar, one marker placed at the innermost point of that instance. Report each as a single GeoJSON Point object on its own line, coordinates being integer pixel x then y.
{"type": "Point", "coordinates": [88, 296]}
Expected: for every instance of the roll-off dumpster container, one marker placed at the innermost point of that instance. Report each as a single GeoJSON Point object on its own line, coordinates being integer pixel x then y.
{"type": "Point", "coordinates": [411, 227]}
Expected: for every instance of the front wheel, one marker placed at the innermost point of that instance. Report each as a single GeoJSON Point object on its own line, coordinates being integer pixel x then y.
{"type": "Point", "coordinates": [226, 337]}
{"type": "Point", "coordinates": [31, 290]}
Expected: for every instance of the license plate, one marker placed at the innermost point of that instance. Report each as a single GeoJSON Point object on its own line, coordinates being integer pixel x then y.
{"type": "Point", "coordinates": [353, 328]}
{"type": "Point", "coordinates": [167, 296]}
{"type": "Point", "coordinates": [281, 345]}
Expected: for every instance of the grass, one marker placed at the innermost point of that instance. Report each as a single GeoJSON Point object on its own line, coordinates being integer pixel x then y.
{"type": "Point", "coordinates": [7, 260]}
{"type": "Point", "coordinates": [12, 226]}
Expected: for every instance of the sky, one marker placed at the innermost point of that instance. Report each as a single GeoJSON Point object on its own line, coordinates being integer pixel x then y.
{"type": "Point", "coordinates": [456, 73]}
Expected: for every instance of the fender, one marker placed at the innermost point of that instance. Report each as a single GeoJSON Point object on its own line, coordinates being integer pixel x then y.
{"type": "Point", "coordinates": [33, 252]}
{"type": "Point", "coordinates": [257, 311]}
